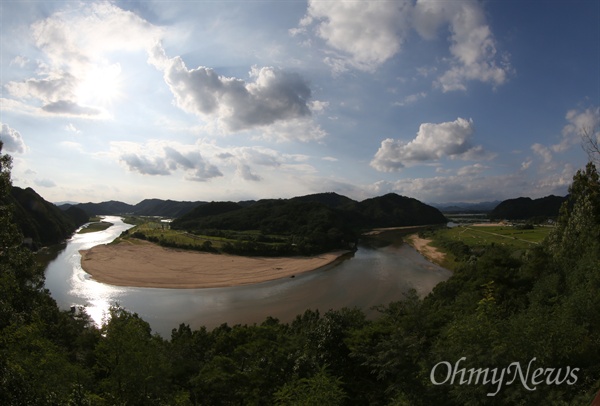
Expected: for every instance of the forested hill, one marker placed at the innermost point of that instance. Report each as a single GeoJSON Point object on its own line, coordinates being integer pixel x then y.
{"type": "Point", "coordinates": [524, 208]}
{"type": "Point", "coordinates": [280, 215]}
{"type": "Point", "coordinates": [43, 222]}
{"type": "Point", "coordinates": [393, 210]}
{"type": "Point", "coordinates": [147, 207]}
{"type": "Point", "coordinates": [325, 220]}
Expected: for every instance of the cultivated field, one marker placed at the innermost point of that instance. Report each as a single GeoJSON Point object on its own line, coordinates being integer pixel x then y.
{"type": "Point", "coordinates": [501, 235]}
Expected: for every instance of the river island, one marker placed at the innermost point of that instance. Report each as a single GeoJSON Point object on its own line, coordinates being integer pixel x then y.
{"type": "Point", "coordinates": [144, 264]}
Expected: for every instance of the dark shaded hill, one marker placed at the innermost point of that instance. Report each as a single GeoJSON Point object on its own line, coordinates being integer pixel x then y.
{"type": "Point", "coordinates": [393, 210]}
{"type": "Point", "coordinates": [462, 207]}
{"type": "Point", "coordinates": [164, 208]}
{"type": "Point", "coordinates": [321, 221]}
{"type": "Point", "coordinates": [147, 207]}
{"type": "Point", "coordinates": [109, 208]}
{"type": "Point", "coordinates": [525, 208]}
{"type": "Point", "coordinates": [195, 218]}
{"type": "Point", "coordinates": [330, 199]}
{"type": "Point", "coordinates": [43, 222]}
{"type": "Point", "coordinates": [311, 226]}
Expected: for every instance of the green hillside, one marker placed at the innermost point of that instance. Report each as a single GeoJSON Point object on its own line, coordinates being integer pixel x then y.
{"type": "Point", "coordinates": [41, 221]}
{"type": "Point", "coordinates": [305, 224]}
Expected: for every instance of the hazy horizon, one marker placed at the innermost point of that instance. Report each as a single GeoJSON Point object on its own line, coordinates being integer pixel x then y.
{"type": "Point", "coordinates": [461, 101]}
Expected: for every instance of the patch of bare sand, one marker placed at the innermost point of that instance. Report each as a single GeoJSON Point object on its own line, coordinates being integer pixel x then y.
{"type": "Point", "coordinates": [428, 251]}
{"type": "Point", "coordinates": [149, 265]}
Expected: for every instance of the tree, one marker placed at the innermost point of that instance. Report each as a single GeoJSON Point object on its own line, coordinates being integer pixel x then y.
{"type": "Point", "coordinates": [35, 365]}
{"type": "Point", "coordinates": [578, 229]}
{"type": "Point", "coordinates": [590, 141]}
{"type": "Point", "coordinates": [320, 389]}
{"type": "Point", "coordinates": [131, 365]}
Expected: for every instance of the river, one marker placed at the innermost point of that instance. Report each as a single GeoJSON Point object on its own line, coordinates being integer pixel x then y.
{"type": "Point", "coordinates": [370, 277]}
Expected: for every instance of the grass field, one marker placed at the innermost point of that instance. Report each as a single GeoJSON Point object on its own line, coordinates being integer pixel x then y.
{"type": "Point", "coordinates": [464, 241]}
{"type": "Point", "coordinates": [501, 235]}
{"type": "Point", "coordinates": [153, 228]}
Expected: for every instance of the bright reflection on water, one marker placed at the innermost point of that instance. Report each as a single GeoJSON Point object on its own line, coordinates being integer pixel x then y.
{"type": "Point", "coordinates": [369, 278]}
{"type": "Point", "coordinates": [71, 286]}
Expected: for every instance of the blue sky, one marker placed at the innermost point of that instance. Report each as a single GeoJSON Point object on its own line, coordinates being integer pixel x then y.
{"type": "Point", "coordinates": [443, 101]}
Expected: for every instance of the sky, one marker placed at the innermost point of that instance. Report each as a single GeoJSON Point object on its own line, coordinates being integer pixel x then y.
{"type": "Point", "coordinates": [443, 101]}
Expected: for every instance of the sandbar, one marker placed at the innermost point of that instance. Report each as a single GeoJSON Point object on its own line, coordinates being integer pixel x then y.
{"type": "Point", "coordinates": [428, 251]}
{"type": "Point", "coordinates": [149, 265]}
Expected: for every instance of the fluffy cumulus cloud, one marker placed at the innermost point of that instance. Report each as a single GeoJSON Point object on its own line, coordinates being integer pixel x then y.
{"type": "Point", "coordinates": [581, 124]}
{"type": "Point", "coordinates": [206, 161]}
{"type": "Point", "coordinates": [11, 140]}
{"type": "Point", "coordinates": [587, 120]}
{"type": "Point", "coordinates": [270, 96]}
{"type": "Point", "coordinates": [433, 142]}
{"type": "Point", "coordinates": [472, 43]}
{"type": "Point", "coordinates": [473, 187]}
{"type": "Point", "coordinates": [76, 43]}
{"type": "Point", "coordinates": [160, 158]}
{"type": "Point", "coordinates": [365, 34]}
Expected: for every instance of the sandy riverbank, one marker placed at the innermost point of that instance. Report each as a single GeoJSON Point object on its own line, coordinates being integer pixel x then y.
{"type": "Point", "coordinates": [428, 251]}
{"type": "Point", "coordinates": [149, 265]}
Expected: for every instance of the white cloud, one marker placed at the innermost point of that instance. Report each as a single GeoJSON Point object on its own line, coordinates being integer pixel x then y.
{"type": "Point", "coordinates": [433, 141]}
{"type": "Point", "coordinates": [476, 188]}
{"type": "Point", "coordinates": [473, 46]}
{"type": "Point", "coordinates": [44, 183]}
{"type": "Point", "coordinates": [163, 158]}
{"type": "Point", "coordinates": [470, 170]}
{"type": "Point", "coordinates": [543, 152]}
{"type": "Point", "coordinates": [410, 99]}
{"type": "Point", "coordinates": [12, 140]}
{"type": "Point", "coordinates": [75, 42]}
{"type": "Point", "coordinates": [71, 128]}
{"type": "Point", "coordinates": [584, 123]}
{"type": "Point", "coordinates": [272, 96]}
{"type": "Point", "coordinates": [19, 61]}
{"type": "Point", "coordinates": [199, 161]}
{"type": "Point", "coordinates": [367, 33]}
{"type": "Point", "coordinates": [587, 120]}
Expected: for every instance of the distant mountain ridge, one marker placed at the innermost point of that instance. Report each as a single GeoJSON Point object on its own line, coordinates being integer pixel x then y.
{"type": "Point", "coordinates": [524, 208]}
{"type": "Point", "coordinates": [147, 207]}
{"type": "Point", "coordinates": [390, 210]}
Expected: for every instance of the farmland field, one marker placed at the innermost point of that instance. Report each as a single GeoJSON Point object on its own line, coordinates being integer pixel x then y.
{"type": "Point", "coordinates": [501, 235]}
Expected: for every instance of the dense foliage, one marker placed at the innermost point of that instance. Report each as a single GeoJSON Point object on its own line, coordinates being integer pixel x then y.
{"type": "Point", "coordinates": [309, 224]}
{"type": "Point", "coordinates": [494, 310]}
{"type": "Point", "coordinates": [42, 221]}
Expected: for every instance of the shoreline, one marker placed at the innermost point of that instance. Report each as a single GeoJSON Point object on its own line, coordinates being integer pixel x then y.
{"type": "Point", "coordinates": [422, 246]}
{"type": "Point", "coordinates": [151, 266]}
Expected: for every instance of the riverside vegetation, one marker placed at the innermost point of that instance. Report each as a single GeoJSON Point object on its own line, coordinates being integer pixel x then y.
{"type": "Point", "coordinates": [496, 309]}
{"type": "Point", "coordinates": [305, 225]}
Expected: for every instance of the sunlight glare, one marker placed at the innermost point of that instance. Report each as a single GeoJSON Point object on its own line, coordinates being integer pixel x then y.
{"type": "Point", "coordinates": [102, 85]}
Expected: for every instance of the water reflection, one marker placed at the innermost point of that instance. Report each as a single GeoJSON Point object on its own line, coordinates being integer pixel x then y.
{"type": "Point", "coordinates": [371, 277]}
{"type": "Point", "coordinates": [71, 286]}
